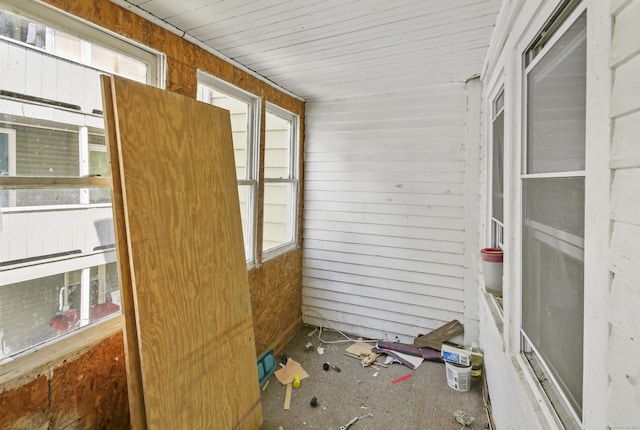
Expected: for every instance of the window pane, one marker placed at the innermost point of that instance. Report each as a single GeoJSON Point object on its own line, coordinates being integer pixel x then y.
{"type": "Point", "coordinates": [45, 148]}
{"type": "Point", "coordinates": [114, 62]}
{"type": "Point", "coordinates": [497, 165]}
{"type": "Point", "coordinates": [57, 254]}
{"type": "Point", "coordinates": [553, 279]}
{"type": "Point", "coordinates": [32, 234]}
{"type": "Point", "coordinates": [22, 29]}
{"type": "Point", "coordinates": [65, 45]}
{"type": "Point", "coordinates": [4, 166]}
{"type": "Point", "coordinates": [239, 111]}
{"type": "Point", "coordinates": [278, 211]}
{"type": "Point", "coordinates": [556, 94]}
{"type": "Point", "coordinates": [277, 147]}
{"type": "Point", "coordinates": [245, 195]}
{"type": "Point", "coordinates": [98, 166]}
{"type": "Point", "coordinates": [4, 154]}
{"type": "Point", "coordinates": [37, 310]}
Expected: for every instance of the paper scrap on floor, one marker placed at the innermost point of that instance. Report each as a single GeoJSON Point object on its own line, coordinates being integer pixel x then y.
{"type": "Point", "coordinates": [285, 374]}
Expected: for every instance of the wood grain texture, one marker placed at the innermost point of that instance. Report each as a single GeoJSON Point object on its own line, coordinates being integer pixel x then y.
{"type": "Point", "coordinates": [190, 287]}
{"type": "Point", "coordinates": [134, 377]}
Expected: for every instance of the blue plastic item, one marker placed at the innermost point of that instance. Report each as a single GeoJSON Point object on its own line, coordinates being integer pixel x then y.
{"type": "Point", "coordinates": [266, 366]}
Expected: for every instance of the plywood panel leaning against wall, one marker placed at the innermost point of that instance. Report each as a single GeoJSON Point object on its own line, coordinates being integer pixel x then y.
{"type": "Point", "coordinates": [186, 260]}
{"type": "Point", "coordinates": [130, 334]}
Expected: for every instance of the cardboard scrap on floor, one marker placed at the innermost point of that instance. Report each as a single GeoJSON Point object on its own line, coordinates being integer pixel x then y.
{"type": "Point", "coordinates": [363, 351]}
{"type": "Point", "coordinates": [285, 374]}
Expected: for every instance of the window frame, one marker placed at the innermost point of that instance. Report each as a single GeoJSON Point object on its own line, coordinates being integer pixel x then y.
{"type": "Point", "coordinates": [89, 32]}
{"type": "Point", "coordinates": [496, 228]}
{"type": "Point", "coordinates": [553, 396]}
{"type": "Point", "coordinates": [293, 179]}
{"type": "Point", "coordinates": [253, 155]}
{"type": "Point", "coordinates": [42, 354]}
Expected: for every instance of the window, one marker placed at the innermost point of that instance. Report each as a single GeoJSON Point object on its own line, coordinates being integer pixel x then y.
{"type": "Point", "coordinates": [280, 180]}
{"type": "Point", "coordinates": [280, 202]}
{"type": "Point", "coordinates": [58, 268]}
{"type": "Point", "coordinates": [553, 194]}
{"type": "Point", "coordinates": [497, 172]}
{"type": "Point", "coordinates": [245, 114]}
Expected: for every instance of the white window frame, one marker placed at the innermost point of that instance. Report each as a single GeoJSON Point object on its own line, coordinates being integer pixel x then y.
{"type": "Point", "coordinates": [253, 157]}
{"type": "Point", "coordinates": [293, 179]}
{"type": "Point", "coordinates": [45, 14]}
{"type": "Point", "coordinates": [496, 228]}
{"type": "Point", "coordinates": [54, 349]}
{"type": "Point", "coordinates": [519, 343]}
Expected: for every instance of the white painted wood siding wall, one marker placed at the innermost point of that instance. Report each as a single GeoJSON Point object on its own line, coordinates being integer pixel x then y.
{"type": "Point", "coordinates": [384, 232]}
{"type": "Point", "coordinates": [623, 394]}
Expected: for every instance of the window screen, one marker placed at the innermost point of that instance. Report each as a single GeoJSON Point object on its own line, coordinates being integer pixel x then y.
{"type": "Point", "coordinates": [553, 210]}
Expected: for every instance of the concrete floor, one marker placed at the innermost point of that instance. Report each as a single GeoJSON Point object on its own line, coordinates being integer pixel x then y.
{"type": "Point", "coordinates": [423, 401]}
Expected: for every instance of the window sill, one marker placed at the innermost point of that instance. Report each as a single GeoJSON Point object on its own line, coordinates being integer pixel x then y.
{"type": "Point", "coordinates": [28, 364]}
{"type": "Point", "coordinates": [495, 305]}
{"type": "Point", "coordinates": [279, 251]}
{"type": "Point", "coordinates": [515, 367]}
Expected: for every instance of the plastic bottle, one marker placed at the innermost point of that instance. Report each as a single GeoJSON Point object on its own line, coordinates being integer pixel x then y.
{"type": "Point", "coordinates": [476, 360]}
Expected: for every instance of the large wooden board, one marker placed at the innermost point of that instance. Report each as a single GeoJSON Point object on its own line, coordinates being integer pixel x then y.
{"type": "Point", "coordinates": [186, 260]}
{"type": "Point", "coordinates": [134, 377]}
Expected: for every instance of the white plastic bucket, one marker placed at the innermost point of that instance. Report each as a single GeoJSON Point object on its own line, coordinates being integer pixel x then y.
{"type": "Point", "coordinates": [492, 270]}
{"type": "Point", "coordinates": [458, 376]}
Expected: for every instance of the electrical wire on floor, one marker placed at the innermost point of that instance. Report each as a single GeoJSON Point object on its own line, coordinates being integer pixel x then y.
{"type": "Point", "coordinates": [334, 328]}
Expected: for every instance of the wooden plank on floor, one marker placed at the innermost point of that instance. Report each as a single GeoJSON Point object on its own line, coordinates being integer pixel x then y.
{"type": "Point", "coordinates": [287, 397]}
{"type": "Point", "coordinates": [134, 376]}
{"type": "Point", "coordinates": [186, 259]}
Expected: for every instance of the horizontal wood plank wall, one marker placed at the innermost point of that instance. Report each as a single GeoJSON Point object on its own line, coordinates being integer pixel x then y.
{"type": "Point", "coordinates": [275, 286]}
{"type": "Point", "coordinates": [384, 212]}
{"type": "Point", "coordinates": [623, 394]}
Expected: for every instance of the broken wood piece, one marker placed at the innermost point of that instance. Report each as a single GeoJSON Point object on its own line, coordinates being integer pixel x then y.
{"type": "Point", "coordinates": [435, 338]}
{"type": "Point", "coordinates": [287, 396]}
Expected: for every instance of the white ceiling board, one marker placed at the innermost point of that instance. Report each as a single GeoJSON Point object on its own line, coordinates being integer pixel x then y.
{"type": "Point", "coordinates": [336, 48]}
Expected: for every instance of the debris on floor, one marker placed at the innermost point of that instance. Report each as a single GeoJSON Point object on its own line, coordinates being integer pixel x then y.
{"type": "Point", "coordinates": [428, 354]}
{"type": "Point", "coordinates": [353, 420]}
{"type": "Point", "coordinates": [328, 399]}
{"type": "Point", "coordinates": [435, 338]}
{"type": "Point", "coordinates": [463, 418]}
{"type": "Point", "coordinates": [327, 366]}
{"type": "Point", "coordinates": [287, 397]}
{"type": "Point", "coordinates": [286, 374]}
{"type": "Point", "coordinates": [363, 352]}
{"type": "Point", "coordinates": [402, 378]}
